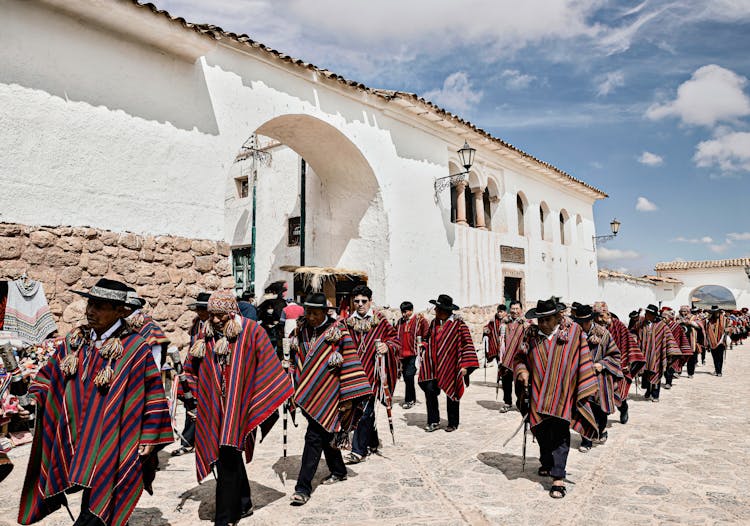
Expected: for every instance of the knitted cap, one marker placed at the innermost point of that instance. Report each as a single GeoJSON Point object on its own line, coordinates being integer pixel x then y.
{"type": "Point", "coordinates": [222, 302]}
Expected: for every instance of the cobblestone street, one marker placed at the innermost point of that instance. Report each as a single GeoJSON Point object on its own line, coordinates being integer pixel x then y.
{"type": "Point", "coordinates": [682, 461]}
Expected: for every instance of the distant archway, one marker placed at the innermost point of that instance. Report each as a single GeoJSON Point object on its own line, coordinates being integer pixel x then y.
{"type": "Point", "coordinates": [706, 296]}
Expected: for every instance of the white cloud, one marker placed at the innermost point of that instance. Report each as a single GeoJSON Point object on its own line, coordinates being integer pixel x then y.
{"type": "Point", "coordinates": [516, 80]}
{"type": "Point", "coordinates": [738, 236]}
{"type": "Point", "coordinates": [730, 152]}
{"type": "Point", "coordinates": [719, 248]}
{"type": "Point", "coordinates": [644, 205]}
{"type": "Point", "coordinates": [615, 254]}
{"type": "Point", "coordinates": [610, 82]}
{"type": "Point", "coordinates": [694, 240]}
{"type": "Point", "coordinates": [456, 93]}
{"type": "Point", "coordinates": [713, 94]}
{"type": "Point", "coordinates": [651, 159]}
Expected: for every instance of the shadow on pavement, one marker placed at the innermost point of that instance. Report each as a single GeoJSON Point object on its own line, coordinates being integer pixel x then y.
{"type": "Point", "coordinates": [415, 419]}
{"type": "Point", "coordinates": [490, 404]}
{"type": "Point", "coordinates": [510, 466]}
{"type": "Point", "coordinates": [288, 468]}
{"type": "Point", "coordinates": [150, 516]}
{"type": "Point", "coordinates": [206, 494]}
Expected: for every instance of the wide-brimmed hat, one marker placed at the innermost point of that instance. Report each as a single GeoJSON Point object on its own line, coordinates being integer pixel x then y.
{"type": "Point", "coordinates": [653, 309]}
{"type": "Point", "coordinates": [582, 312]}
{"type": "Point", "coordinates": [110, 290]}
{"type": "Point", "coordinates": [316, 300]}
{"type": "Point", "coordinates": [545, 308]}
{"type": "Point", "coordinates": [634, 314]}
{"type": "Point", "coordinates": [201, 301]}
{"type": "Point", "coordinates": [714, 308]}
{"type": "Point", "coordinates": [445, 302]}
{"type": "Point", "coordinates": [134, 301]}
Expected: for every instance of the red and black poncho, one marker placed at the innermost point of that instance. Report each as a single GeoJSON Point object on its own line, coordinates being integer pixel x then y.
{"type": "Point", "coordinates": [449, 349]}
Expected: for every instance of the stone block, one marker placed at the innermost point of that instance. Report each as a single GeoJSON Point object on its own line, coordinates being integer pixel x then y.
{"type": "Point", "coordinates": [56, 257]}
{"type": "Point", "coordinates": [144, 269]}
{"type": "Point", "coordinates": [149, 243]}
{"type": "Point", "coordinates": [160, 312]}
{"type": "Point", "coordinates": [126, 253]}
{"type": "Point", "coordinates": [96, 265]}
{"type": "Point", "coordinates": [227, 282]}
{"type": "Point", "coordinates": [161, 276]}
{"type": "Point", "coordinates": [70, 244]}
{"type": "Point", "coordinates": [203, 247]}
{"type": "Point", "coordinates": [130, 241]}
{"type": "Point", "coordinates": [224, 249]}
{"type": "Point", "coordinates": [204, 263]}
{"type": "Point", "coordinates": [109, 251]}
{"type": "Point", "coordinates": [147, 255]}
{"type": "Point", "coordinates": [211, 282]}
{"type": "Point", "coordinates": [93, 245]}
{"type": "Point", "coordinates": [123, 267]}
{"type": "Point", "coordinates": [150, 292]}
{"type": "Point", "coordinates": [42, 238]}
{"type": "Point", "coordinates": [166, 290]}
{"type": "Point", "coordinates": [75, 312]}
{"type": "Point", "coordinates": [179, 337]}
{"type": "Point", "coordinates": [11, 247]}
{"type": "Point", "coordinates": [10, 230]}
{"type": "Point", "coordinates": [164, 244]}
{"type": "Point", "coordinates": [181, 244]}
{"type": "Point", "coordinates": [185, 321]}
{"type": "Point", "coordinates": [144, 280]}
{"type": "Point", "coordinates": [222, 267]}
{"type": "Point", "coordinates": [183, 260]}
{"type": "Point", "coordinates": [70, 275]}
{"type": "Point", "coordinates": [109, 238]}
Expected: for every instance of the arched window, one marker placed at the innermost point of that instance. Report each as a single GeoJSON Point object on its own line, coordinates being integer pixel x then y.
{"type": "Point", "coordinates": [454, 203]}
{"type": "Point", "coordinates": [562, 229]}
{"type": "Point", "coordinates": [543, 213]}
{"type": "Point", "coordinates": [487, 209]}
{"type": "Point", "coordinates": [579, 229]}
{"type": "Point", "coordinates": [521, 211]}
{"type": "Point", "coordinates": [471, 214]}
{"type": "Point", "coordinates": [564, 237]}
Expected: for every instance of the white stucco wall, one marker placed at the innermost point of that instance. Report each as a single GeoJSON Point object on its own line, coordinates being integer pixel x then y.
{"type": "Point", "coordinates": [623, 296]}
{"type": "Point", "coordinates": [140, 133]}
{"type": "Point", "coordinates": [733, 278]}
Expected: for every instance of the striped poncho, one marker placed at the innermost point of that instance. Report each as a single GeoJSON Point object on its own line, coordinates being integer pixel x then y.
{"type": "Point", "coordinates": [561, 376]}
{"type": "Point", "coordinates": [632, 359]}
{"type": "Point", "coordinates": [320, 391]}
{"type": "Point", "coordinates": [683, 343]}
{"type": "Point", "coordinates": [89, 436]}
{"type": "Point", "coordinates": [449, 349]}
{"type": "Point", "coordinates": [234, 399]}
{"type": "Point", "coordinates": [514, 331]}
{"type": "Point", "coordinates": [407, 334]}
{"type": "Point", "coordinates": [605, 353]}
{"type": "Point", "coordinates": [364, 332]}
{"type": "Point", "coordinates": [715, 332]}
{"type": "Point", "coordinates": [495, 332]}
{"type": "Point", "coordinates": [658, 346]}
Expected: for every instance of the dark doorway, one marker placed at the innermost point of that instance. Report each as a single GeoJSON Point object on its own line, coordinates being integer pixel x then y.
{"type": "Point", "coordinates": [511, 290]}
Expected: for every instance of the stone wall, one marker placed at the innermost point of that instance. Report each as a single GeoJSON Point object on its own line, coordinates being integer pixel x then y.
{"type": "Point", "coordinates": [167, 271]}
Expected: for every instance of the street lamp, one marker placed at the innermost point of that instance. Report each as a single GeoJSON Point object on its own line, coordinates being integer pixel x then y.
{"type": "Point", "coordinates": [466, 155]}
{"type": "Point", "coordinates": [614, 226]}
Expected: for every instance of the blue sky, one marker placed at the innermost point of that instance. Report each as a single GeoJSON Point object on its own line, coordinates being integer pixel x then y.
{"type": "Point", "coordinates": [649, 101]}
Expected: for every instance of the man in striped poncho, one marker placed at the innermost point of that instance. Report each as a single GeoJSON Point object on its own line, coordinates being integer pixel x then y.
{"type": "Point", "coordinates": [101, 411]}
{"type": "Point", "coordinates": [448, 361]}
{"type": "Point", "coordinates": [374, 338]}
{"type": "Point", "coordinates": [606, 357]}
{"type": "Point", "coordinates": [556, 365]}
{"type": "Point", "coordinates": [659, 348]}
{"type": "Point", "coordinates": [505, 335]}
{"type": "Point", "coordinates": [240, 384]}
{"type": "Point", "coordinates": [330, 385]}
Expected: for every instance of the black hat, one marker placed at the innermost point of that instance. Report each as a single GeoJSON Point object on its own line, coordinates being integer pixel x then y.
{"type": "Point", "coordinates": [316, 300]}
{"type": "Point", "coordinates": [201, 302]}
{"type": "Point", "coordinates": [445, 302]}
{"type": "Point", "coordinates": [582, 312]}
{"type": "Point", "coordinates": [714, 308]}
{"type": "Point", "coordinates": [109, 290]}
{"type": "Point", "coordinates": [546, 308]}
{"type": "Point", "coordinates": [653, 309]}
{"type": "Point", "coordinates": [634, 314]}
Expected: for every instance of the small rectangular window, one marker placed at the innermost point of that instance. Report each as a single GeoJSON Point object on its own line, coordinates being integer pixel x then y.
{"type": "Point", "coordinates": [243, 187]}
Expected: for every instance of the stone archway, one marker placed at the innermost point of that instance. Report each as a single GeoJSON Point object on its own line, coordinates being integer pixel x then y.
{"type": "Point", "coordinates": [706, 296]}
{"type": "Point", "coordinates": [346, 223]}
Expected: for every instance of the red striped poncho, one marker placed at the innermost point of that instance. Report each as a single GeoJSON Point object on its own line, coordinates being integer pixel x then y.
{"type": "Point", "coordinates": [449, 349]}
{"type": "Point", "coordinates": [151, 332]}
{"type": "Point", "coordinates": [561, 376]}
{"type": "Point", "coordinates": [514, 331]}
{"type": "Point", "coordinates": [196, 332]}
{"type": "Point", "coordinates": [255, 385]}
{"type": "Point", "coordinates": [632, 359]}
{"type": "Point", "coordinates": [683, 343]}
{"type": "Point", "coordinates": [89, 437]}
{"type": "Point", "coordinates": [320, 391]}
{"type": "Point", "coordinates": [495, 344]}
{"type": "Point", "coordinates": [715, 332]}
{"type": "Point", "coordinates": [658, 346]}
{"type": "Point", "coordinates": [407, 334]}
{"type": "Point", "coordinates": [364, 333]}
{"type": "Point", "coordinates": [605, 353]}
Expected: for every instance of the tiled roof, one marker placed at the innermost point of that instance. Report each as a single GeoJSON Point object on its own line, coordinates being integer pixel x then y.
{"type": "Point", "coordinates": [710, 263]}
{"type": "Point", "coordinates": [218, 33]}
{"type": "Point", "coordinates": [646, 280]}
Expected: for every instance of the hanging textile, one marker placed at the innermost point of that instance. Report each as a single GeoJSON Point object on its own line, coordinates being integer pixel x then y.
{"type": "Point", "coordinates": [27, 312]}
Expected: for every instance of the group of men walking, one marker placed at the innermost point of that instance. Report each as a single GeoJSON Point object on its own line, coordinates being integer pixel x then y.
{"type": "Point", "coordinates": [103, 413]}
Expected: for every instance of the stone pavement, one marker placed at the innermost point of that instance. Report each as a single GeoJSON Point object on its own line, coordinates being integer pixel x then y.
{"type": "Point", "coordinates": [683, 461]}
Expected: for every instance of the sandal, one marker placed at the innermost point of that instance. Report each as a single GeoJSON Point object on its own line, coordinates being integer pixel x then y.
{"type": "Point", "coordinates": [299, 499]}
{"type": "Point", "coordinates": [557, 492]}
{"type": "Point", "coordinates": [544, 472]}
{"type": "Point", "coordinates": [182, 450]}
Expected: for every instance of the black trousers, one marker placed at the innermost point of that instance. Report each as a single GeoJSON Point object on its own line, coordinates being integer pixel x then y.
{"type": "Point", "coordinates": [317, 442]}
{"type": "Point", "coordinates": [507, 381]}
{"type": "Point", "coordinates": [703, 355]}
{"type": "Point", "coordinates": [86, 518]}
{"type": "Point", "coordinates": [601, 422]}
{"type": "Point", "coordinates": [669, 375]}
{"type": "Point", "coordinates": [651, 390]}
{"type": "Point", "coordinates": [366, 436]}
{"type": "Point", "coordinates": [553, 436]}
{"type": "Point", "coordinates": [692, 361]}
{"type": "Point", "coordinates": [409, 370]}
{"type": "Point", "coordinates": [431, 392]}
{"type": "Point", "coordinates": [188, 432]}
{"type": "Point", "coordinates": [718, 356]}
{"type": "Point", "coordinates": [232, 487]}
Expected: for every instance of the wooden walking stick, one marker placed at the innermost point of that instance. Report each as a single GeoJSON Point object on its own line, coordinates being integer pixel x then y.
{"type": "Point", "coordinates": [385, 392]}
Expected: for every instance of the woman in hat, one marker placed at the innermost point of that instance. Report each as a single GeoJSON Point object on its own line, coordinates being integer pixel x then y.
{"type": "Point", "coordinates": [449, 359]}
{"type": "Point", "coordinates": [92, 446]}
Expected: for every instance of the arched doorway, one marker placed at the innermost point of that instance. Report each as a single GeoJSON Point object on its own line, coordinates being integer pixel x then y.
{"type": "Point", "coordinates": [705, 296]}
{"type": "Point", "coordinates": [345, 224]}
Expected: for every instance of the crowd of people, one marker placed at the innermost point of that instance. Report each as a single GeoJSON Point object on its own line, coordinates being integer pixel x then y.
{"type": "Point", "coordinates": [102, 413]}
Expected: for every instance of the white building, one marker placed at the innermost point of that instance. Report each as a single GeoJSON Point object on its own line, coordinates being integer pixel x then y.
{"type": "Point", "coordinates": [119, 117]}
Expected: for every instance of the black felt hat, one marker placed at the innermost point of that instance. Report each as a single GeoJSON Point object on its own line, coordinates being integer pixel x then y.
{"type": "Point", "coordinates": [316, 300]}
{"type": "Point", "coordinates": [110, 290]}
{"type": "Point", "coordinates": [201, 302]}
{"type": "Point", "coordinates": [582, 312]}
{"type": "Point", "coordinates": [545, 308]}
{"type": "Point", "coordinates": [445, 302]}
{"type": "Point", "coordinates": [653, 309]}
